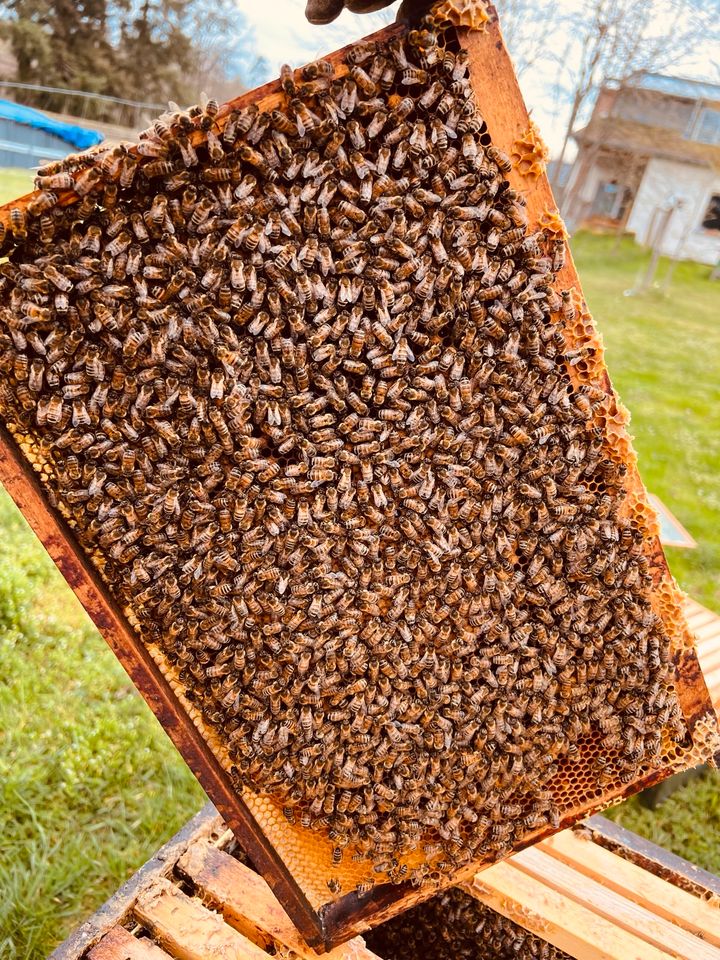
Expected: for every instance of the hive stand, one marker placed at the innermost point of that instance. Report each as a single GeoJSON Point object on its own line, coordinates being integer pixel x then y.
{"type": "Point", "coordinates": [327, 924]}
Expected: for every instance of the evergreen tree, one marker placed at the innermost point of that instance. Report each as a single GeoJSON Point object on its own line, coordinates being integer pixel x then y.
{"type": "Point", "coordinates": [145, 50]}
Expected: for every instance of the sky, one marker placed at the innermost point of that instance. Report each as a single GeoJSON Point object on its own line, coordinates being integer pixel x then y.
{"type": "Point", "coordinates": [283, 35]}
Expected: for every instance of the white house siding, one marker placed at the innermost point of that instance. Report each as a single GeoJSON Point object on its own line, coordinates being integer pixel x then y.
{"type": "Point", "coordinates": [685, 236]}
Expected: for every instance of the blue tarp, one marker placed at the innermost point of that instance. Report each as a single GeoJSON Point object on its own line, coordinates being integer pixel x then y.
{"type": "Point", "coordinates": [77, 136]}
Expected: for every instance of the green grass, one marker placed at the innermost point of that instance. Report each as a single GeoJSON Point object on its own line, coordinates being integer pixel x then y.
{"type": "Point", "coordinates": [89, 783]}
{"type": "Point", "coordinates": [663, 353]}
{"type": "Point", "coordinates": [14, 183]}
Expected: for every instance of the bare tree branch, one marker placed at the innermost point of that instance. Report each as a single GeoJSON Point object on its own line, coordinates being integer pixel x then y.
{"type": "Point", "coordinates": [618, 38]}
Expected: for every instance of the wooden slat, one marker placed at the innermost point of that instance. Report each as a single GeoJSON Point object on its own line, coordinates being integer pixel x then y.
{"type": "Point", "coordinates": [697, 614]}
{"type": "Point", "coordinates": [710, 660]}
{"type": "Point", "coordinates": [653, 858]}
{"type": "Point", "coordinates": [638, 885]}
{"type": "Point", "coordinates": [712, 679]}
{"type": "Point", "coordinates": [556, 918]}
{"type": "Point", "coordinates": [247, 903]}
{"type": "Point", "coordinates": [118, 944]}
{"type": "Point", "coordinates": [693, 608]}
{"type": "Point", "coordinates": [709, 630]}
{"type": "Point", "coordinates": [613, 906]}
{"type": "Point", "coordinates": [189, 931]}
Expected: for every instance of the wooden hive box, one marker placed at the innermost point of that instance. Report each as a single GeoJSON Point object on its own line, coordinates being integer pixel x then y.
{"type": "Point", "coordinates": [599, 892]}
{"type": "Point", "coordinates": [110, 463]}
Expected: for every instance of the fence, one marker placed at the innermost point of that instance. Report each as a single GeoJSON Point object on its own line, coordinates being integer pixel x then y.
{"type": "Point", "coordinates": [92, 106]}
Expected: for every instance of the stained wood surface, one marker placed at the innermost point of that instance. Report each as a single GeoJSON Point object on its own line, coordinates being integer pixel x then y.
{"type": "Point", "coordinates": [120, 944]}
{"type": "Point", "coordinates": [188, 930]}
{"type": "Point", "coordinates": [247, 903]}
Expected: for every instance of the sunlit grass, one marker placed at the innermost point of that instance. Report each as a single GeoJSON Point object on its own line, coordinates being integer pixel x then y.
{"type": "Point", "coordinates": [89, 783]}
{"type": "Point", "coordinates": [14, 183]}
{"type": "Point", "coordinates": [663, 353]}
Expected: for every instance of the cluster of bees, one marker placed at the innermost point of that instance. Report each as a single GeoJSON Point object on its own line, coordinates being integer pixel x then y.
{"type": "Point", "coordinates": [297, 377]}
{"type": "Point", "coordinates": [455, 926]}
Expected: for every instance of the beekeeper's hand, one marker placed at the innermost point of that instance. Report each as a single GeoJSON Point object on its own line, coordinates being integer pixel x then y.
{"type": "Point", "coordinates": [325, 11]}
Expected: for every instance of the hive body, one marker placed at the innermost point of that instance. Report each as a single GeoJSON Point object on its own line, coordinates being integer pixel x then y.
{"type": "Point", "coordinates": [454, 926]}
{"type": "Point", "coordinates": [304, 385]}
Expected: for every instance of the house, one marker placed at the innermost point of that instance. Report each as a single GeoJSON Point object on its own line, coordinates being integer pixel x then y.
{"type": "Point", "coordinates": [649, 162]}
{"type": "Point", "coordinates": [29, 137]}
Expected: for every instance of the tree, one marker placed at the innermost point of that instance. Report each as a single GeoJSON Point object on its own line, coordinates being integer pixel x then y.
{"type": "Point", "coordinates": [224, 53]}
{"type": "Point", "coordinates": [613, 39]}
{"type": "Point", "coordinates": [143, 50]}
{"type": "Point", "coordinates": [60, 43]}
{"type": "Point", "coordinates": [528, 28]}
{"type": "Point", "coordinates": [154, 52]}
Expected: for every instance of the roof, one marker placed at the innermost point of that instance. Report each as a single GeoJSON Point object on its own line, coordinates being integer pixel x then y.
{"type": "Point", "coordinates": [643, 139]}
{"type": "Point", "coordinates": [676, 86]}
{"type": "Point", "coordinates": [78, 137]}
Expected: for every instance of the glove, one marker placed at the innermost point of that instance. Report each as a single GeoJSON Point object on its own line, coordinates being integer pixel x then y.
{"type": "Point", "coordinates": [325, 11]}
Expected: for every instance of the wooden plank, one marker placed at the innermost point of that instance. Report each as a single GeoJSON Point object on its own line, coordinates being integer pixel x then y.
{"type": "Point", "coordinates": [189, 931]}
{"type": "Point", "coordinates": [693, 608]}
{"type": "Point", "coordinates": [119, 944]}
{"type": "Point", "coordinates": [709, 630]}
{"type": "Point", "coordinates": [699, 615]}
{"type": "Point", "coordinates": [247, 903]}
{"type": "Point", "coordinates": [651, 857]}
{"type": "Point", "coordinates": [712, 679]}
{"type": "Point", "coordinates": [550, 872]}
{"type": "Point", "coordinates": [638, 885]}
{"type": "Point", "coordinates": [556, 918]}
{"type": "Point", "coordinates": [710, 663]}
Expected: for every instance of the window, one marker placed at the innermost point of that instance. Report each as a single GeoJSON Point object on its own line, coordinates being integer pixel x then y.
{"type": "Point", "coordinates": [708, 126]}
{"type": "Point", "coordinates": [711, 220]}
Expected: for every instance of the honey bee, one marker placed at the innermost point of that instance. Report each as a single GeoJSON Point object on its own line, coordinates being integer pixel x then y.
{"type": "Point", "coordinates": [304, 387]}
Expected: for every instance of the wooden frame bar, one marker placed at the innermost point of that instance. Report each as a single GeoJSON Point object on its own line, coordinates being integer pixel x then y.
{"type": "Point", "coordinates": [500, 102]}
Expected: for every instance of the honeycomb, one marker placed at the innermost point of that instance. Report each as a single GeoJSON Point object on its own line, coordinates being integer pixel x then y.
{"type": "Point", "coordinates": [530, 154]}
{"type": "Point", "coordinates": [455, 926]}
{"type": "Point", "coordinates": [305, 385]}
{"type": "Point", "coordinates": [473, 14]}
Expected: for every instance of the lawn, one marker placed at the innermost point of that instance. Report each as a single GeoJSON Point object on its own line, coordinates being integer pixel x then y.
{"type": "Point", "coordinates": [89, 783]}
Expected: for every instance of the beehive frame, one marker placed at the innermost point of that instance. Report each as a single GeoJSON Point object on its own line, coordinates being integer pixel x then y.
{"type": "Point", "coordinates": [501, 105]}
